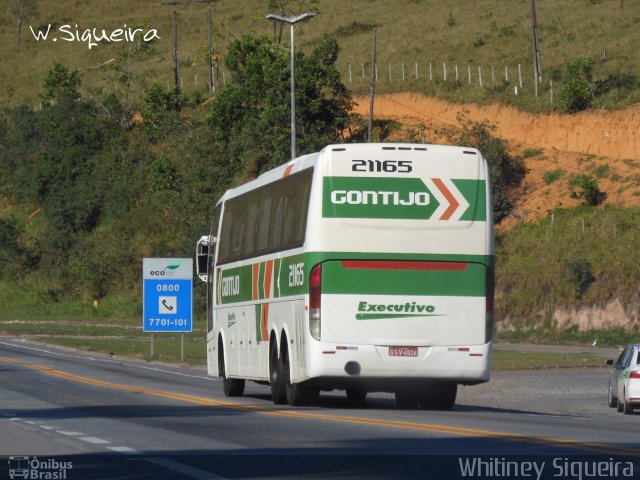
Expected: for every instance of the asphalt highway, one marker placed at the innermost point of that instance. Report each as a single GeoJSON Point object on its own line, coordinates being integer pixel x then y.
{"type": "Point", "coordinates": [120, 418]}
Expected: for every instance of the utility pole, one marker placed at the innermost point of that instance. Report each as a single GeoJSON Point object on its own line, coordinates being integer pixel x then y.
{"type": "Point", "coordinates": [211, 80]}
{"type": "Point", "coordinates": [372, 87]}
{"type": "Point", "coordinates": [536, 48]}
{"type": "Point", "coordinates": [176, 64]}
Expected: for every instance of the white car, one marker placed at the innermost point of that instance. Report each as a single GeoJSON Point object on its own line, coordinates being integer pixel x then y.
{"type": "Point", "coordinates": [624, 380]}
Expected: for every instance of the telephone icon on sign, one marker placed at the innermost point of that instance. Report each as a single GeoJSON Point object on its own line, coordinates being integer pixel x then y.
{"type": "Point", "coordinates": [167, 305]}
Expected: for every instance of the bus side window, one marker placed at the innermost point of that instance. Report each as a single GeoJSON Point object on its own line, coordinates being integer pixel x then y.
{"type": "Point", "coordinates": [238, 227]}
{"type": "Point", "coordinates": [277, 213]}
{"type": "Point", "coordinates": [264, 215]}
{"type": "Point", "coordinates": [225, 239]}
{"type": "Point", "coordinates": [249, 236]}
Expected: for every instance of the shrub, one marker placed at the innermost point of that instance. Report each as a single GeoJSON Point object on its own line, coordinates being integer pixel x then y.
{"type": "Point", "coordinates": [552, 175]}
{"type": "Point", "coordinates": [580, 275]}
{"type": "Point", "coordinates": [577, 88]}
{"type": "Point", "coordinates": [587, 190]}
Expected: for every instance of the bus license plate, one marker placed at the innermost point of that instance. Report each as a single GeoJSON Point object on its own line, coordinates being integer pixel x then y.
{"type": "Point", "coordinates": [403, 351]}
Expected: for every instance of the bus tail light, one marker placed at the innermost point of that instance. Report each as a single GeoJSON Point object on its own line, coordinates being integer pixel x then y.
{"type": "Point", "coordinates": [315, 281]}
{"type": "Point", "coordinates": [634, 374]}
{"type": "Point", "coordinates": [490, 292]}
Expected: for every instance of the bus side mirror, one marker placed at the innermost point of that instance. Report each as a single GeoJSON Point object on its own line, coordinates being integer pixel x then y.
{"type": "Point", "coordinates": [203, 246]}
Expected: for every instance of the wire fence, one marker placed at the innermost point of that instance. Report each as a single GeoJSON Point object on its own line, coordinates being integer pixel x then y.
{"type": "Point", "coordinates": [515, 78]}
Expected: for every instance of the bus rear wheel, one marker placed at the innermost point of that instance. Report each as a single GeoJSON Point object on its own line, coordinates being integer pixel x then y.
{"type": "Point", "coordinates": [276, 375]}
{"type": "Point", "coordinates": [297, 394]}
{"type": "Point", "coordinates": [232, 387]}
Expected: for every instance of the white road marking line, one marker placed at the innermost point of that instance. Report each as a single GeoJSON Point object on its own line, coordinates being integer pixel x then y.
{"type": "Point", "coordinates": [184, 469]}
{"type": "Point", "coordinates": [47, 427]}
{"type": "Point", "coordinates": [15, 419]}
{"type": "Point", "coordinates": [123, 450]}
{"type": "Point", "coordinates": [30, 422]}
{"type": "Point", "coordinates": [70, 434]}
{"type": "Point", "coordinates": [94, 440]}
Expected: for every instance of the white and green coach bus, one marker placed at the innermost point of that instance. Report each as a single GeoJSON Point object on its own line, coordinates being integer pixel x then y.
{"type": "Point", "coordinates": [364, 268]}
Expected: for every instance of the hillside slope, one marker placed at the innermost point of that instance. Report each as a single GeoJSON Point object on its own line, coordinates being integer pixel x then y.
{"type": "Point", "coordinates": [556, 147]}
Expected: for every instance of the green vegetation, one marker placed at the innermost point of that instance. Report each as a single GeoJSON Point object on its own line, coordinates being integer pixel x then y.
{"type": "Point", "coordinates": [585, 257]}
{"type": "Point", "coordinates": [587, 190]}
{"type": "Point", "coordinates": [612, 337]}
{"type": "Point", "coordinates": [483, 33]}
{"type": "Point", "coordinates": [551, 176]}
{"type": "Point", "coordinates": [509, 359]}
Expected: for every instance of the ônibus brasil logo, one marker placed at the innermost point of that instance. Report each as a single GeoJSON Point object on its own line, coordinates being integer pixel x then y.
{"type": "Point", "coordinates": [404, 198]}
{"type": "Point", "coordinates": [380, 311]}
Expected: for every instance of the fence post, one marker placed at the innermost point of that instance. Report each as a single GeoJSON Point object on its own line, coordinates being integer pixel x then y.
{"type": "Point", "coordinates": [430, 73]}
{"type": "Point", "coordinates": [457, 73]}
{"type": "Point", "coordinates": [551, 90]}
{"type": "Point", "coordinates": [362, 64]}
{"type": "Point", "coordinates": [416, 70]}
{"type": "Point", "coordinates": [349, 73]}
{"type": "Point", "coordinates": [480, 75]}
{"type": "Point", "coordinates": [469, 72]}
{"type": "Point", "coordinates": [444, 71]}
{"type": "Point", "coordinates": [376, 67]}
{"type": "Point", "coordinates": [520, 75]}
{"type": "Point", "coordinates": [506, 73]}
{"type": "Point", "coordinates": [493, 78]}
{"type": "Point", "coordinates": [402, 64]}
{"type": "Point", "coordinates": [390, 80]}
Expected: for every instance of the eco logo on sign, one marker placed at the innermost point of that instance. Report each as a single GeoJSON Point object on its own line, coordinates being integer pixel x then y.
{"type": "Point", "coordinates": [404, 198]}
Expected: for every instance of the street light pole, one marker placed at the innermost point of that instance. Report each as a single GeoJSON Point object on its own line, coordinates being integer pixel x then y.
{"type": "Point", "coordinates": [292, 22]}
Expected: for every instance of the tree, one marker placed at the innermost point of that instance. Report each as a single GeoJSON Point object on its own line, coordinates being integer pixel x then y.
{"type": "Point", "coordinates": [22, 10]}
{"type": "Point", "coordinates": [251, 117]}
{"type": "Point", "coordinates": [60, 84]}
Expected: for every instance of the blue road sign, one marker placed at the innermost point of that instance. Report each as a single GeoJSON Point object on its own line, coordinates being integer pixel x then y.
{"type": "Point", "coordinates": [167, 294]}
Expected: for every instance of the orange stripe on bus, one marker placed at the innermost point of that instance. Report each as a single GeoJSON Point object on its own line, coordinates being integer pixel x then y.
{"type": "Point", "coordinates": [453, 203]}
{"type": "Point", "coordinates": [255, 279]}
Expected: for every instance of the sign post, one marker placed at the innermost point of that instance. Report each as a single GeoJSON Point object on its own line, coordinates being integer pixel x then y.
{"type": "Point", "coordinates": [167, 295]}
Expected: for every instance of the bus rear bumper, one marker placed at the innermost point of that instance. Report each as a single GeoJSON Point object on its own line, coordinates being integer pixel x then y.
{"type": "Point", "coordinates": [350, 364]}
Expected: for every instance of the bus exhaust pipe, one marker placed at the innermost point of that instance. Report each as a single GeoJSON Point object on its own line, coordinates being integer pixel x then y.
{"type": "Point", "coordinates": [352, 368]}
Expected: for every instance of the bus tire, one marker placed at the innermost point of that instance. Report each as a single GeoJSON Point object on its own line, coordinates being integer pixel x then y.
{"type": "Point", "coordinates": [276, 375]}
{"type": "Point", "coordinates": [439, 396]}
{"type": "Point", "coordinates": [297, 394]}
{"type": "Point", "coordinates": [356, 395]}
{"type": "Point", "coordinates": [232, 387]}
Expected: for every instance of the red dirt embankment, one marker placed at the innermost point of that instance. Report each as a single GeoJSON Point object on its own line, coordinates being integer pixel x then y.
{"type": "Point", "coordinates": [605, 144]}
